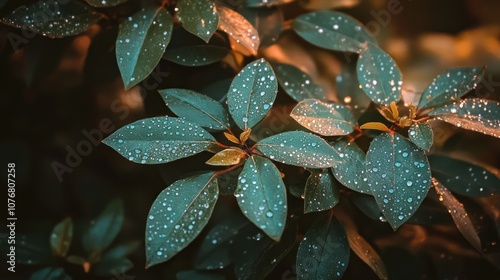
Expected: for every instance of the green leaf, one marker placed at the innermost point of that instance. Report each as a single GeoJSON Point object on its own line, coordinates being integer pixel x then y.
{"type": "Point", "coordinates": [60, 239]}
{"type": "Point", "coordinates": [196, 55]}
{"type": "Point", "coordinates": [450, 86]}
{"type": "Point", "coordinates": [322, 118]}
{"type": "Point", "coordinates": [198, 17]}
{"type": "Point", "coordinates": [348, 90]}
{"type": "Point", "coordinates": [333, 30]}
{"type": "Point", "coordinates": [198, 275]}
{"type": "Point", "coordinates": [159, 140]}
{"type": "Point", "coordinates": [297, 84]}
{"type": "Point", "coordinates": [105, 3]}
{"type": "Point", "coordinates": [178, 215]}
{"type": "Point", "coordinates": [421, 135]}
{"type": "Point", "coordinates": [50, 273]}
{"type": "Point", "coordinates": [196, 108]}
{"type": "Point", "coordinates": [111, 267]}
{"type": "Point", "coordinates": [352, 174]}
{"type": "Point", "coordinates": [464, 178]}
{"type": "Point", "coordinates": [141, 42]}
{"type": "Point", "coordinates": [54, 19]}
{"type": "Point", "coordinates": [300, 149]}
{"type": "Point", "coordinates": [252, 93]}
{"type": "Point", "coordinates": [321, 192]}
{"type": "Point", "coordinates": [261, 195]}
{"type": "Point", "coordinates": [478, 115]}
{"type": "Point", "coordinates": [104, 228]}
{"type": "Point", "coordinates": [266, 3]}
{"type": "Point", "coordinates": [399, 176]}
{"type": "Point", "coordinates": [324, 251]}
{"type": "Point", "coordinates": [236, 26]}
{"type": "Point", "coordinates": [121, 251]}
{"type": "Point", "coordinates": [379, 76]}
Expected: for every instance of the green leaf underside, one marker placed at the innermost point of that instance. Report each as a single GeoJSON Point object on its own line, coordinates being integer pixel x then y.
{"type": "Point", "coordinates": [196, 108]}
{"type": "Point", "coordinates": [104, 228]}
{"type": "Point", "coordinates": [105, 3]}
{"type": "Point", "coordinates": [297, 84]}
{"type": "Point", "coordinates": [236, 26]}
{"type": "Point", "coordinates": [107, 268]}
{"type": "Point", "coordinates": [261, 195]}
{"type": "Point", "coordinates": [332, 30]}
{"type": "Point", "coordinates": [60, 239]}
{"type": "Point", "coordinates": [159, 140]}
{"type": "Point", "coordinates": [352, 174]}
{"type": "Point", "coordinates": [323, 118]}
{"type": "Point", "coordinates": [459, 215]}
{"type": "Point", "coordinates": [399, 176]}
{"type": "Point", "coordinates": [178, 215]}
{"type": "Point", "coordinates": [421, 135]}
{"type": "Point", "coordinates": [198, 275]}
{"type": "Point", "coordinates": [50, 273]}
{"type": "Point", "coordinates": [54, 19]}
{"type": "Point", "coordinates": [199, 55]}
{"type": "Point", "coordinates": [462, 177]}
{"type": "Point", "coordinates": [379, 76]}
{"type": "Point", "coordinates": [324, 251]}
{"type": "Point", "coordinates": [263, 3]}
{"type": "Point", "coordinates": [252, 93]}
{"type": "Point", "coordinates": [141, 42]}
{"type": "Point", "coordinates": [479, 115]}
{"type": "Point", "coordinates": [321, 192]}
{"type": "Point", "coordinates": [300, 149]}
{"type": "Point", "coordinates": [450, 86]}
{"type": "Point", "coordinates": [198, 17]}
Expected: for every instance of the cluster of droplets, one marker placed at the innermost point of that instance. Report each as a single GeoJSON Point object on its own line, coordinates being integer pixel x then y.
{"type": "Point", "coordinates": [320, 193]}
{"type": "Point", "coordinates": [236, 26]}
{"type": "Point", "coordinates": [421, 134]}
{"type": "Point", "coordinates": [352, 174]}
{"type": "Point", "coordinates": [198, 17]}
{"type": "Point", "coordinates": [298, 84]}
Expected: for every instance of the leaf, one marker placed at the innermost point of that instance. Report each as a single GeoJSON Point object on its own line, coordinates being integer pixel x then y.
{"type": "Point", "coordinates": [198, 17]}
{"type": "Point", "coordinates": [329, 4]}
{"type": "Point", "coordinates": [379, 76]}
{"type": "Point", "coordinates": [121, 251]}
{"type": "Point", "coordinates": [232, 138]}
{"type": "Point", "coordinates": [266, 3]}
{"type": "Point", "coordinates": [236, 26]}
{"type": "Point", "coordinates": [348, 90]}
{"type": "Point", "coordinates": [141, 42]}
{"type": "Point", "coordinates": [104, 228]}
{"type": "Point", "coordinates": [321, 192]}
{"type": "Point", "coordinates": [50, 273]}
{"type": "Point", "coordinates": [375, 126]}
{"type": "Point", "coordinates": [245, 135]}
{"type": "Point", "coordinates": [300, 149]}
{"type": "Point", "coordinates": [178, 215]}
{"type": "Point", "coordinates": [297, 84]}
{"type": "Point", "coordinates": [478, 115]}
{"type": "Point", "coordinates": [421, 135]}
{"type": "Point", "coordinates": [198, 275]}
{"type": "Point", "coordinates": [450, 86]}
{"type": "Point", "coordinates": [464, 178]}
{"type": "Point", "coordinates": [60, 239]}
{"type": "Point", "coordinates": [159, 140]}
{"type": "Point", "coordinates": [322, 118]}
{"type": "Point", "coordinates": [459, 215]}
{"type": "Point", "coordinates": [105, 3]}
{"type": "Point", "coordinates": [196, 108]}
{"type": "Point", "coordinates": [111, 267]}
{"type": "Point", "coordinates": [332, 30]}
{"type": "Point", "coordinates": [267, 21]}
{"type": "Point", "coordinates": [324, 251]}
{"type": "Point", "coordinates": [399, 176]}
{"type": "Point", "coordinates": [252, 93]}
{"type": "Point", "coordinates": [54, 19]}
{"type": "Point", "coordinates": [227, 157]}
{"type": "Point", "coordinates": [261, 195]}
{"type": "Point", "coordinates": [196, 55]}
{"type": "Point", "coordinates": [352, 174]}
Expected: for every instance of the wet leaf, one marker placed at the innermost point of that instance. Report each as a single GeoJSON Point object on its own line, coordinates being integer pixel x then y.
{"type": "Point", "coordinates": [352, 174]}
{"type": "Point", "coordinates": [111, 267]}
{"type": "Point", "coordinates": [197, 55]}
{"type": "Point", "coordinates": [159, 140]}
{"type": "Point", "coordinates": [105, 3]}
{"type": "Point", "coordinates": [332, 30]}
{"type": "Point", "coordinates": [262, 3]}
{"type": "Point", "coordinates": [297, 84]}
{"type": "Point", "coordinates": [375, 126]}
{"type": "Point", "coordinates": [121, 251]}
{"type": "Point", "coordinates": [321, 192]}
{"type": "Point", "coordinates": [421, 135]}
{"type": "Point", "coordinates": [252, 93]}
{"type": "Point", "coordinates": [329, 4]}
{"type": "Point", "coordinates": [104, 228]}
{"type": "Point", "coordinates": [450, 86]}
{"type": "Point", "coordinates": [178, 215]}
{"type": "Point", "coordinates": [141, 42]}
{"type": "Point", "coordinates": [227, 157]}
{"type": "Point", "coordinates": [198, 17]}
{"type": "Point", "coordinates": [50, 273]}
{"type": "Point", "coordinates": [399, 176]}
{"type": "Point", "coordinates": [323, 118]}
{"type": "Point", "coordinates": [379, 76]}
{"type": "Point", "coordinates": [459, 215]}
{"type": "Point", "coordinates": [348, 90]}
{"type": "Point", "coordinates": [324, 251]}
{"type": "Point", "coordinates": [267, 21]}
{"type": "Point", "coordinates": [261, 195]}
{"type": "Point", "coordinates": [54, 19]}
{"type": "Point", "coordinates": [198, 275]}
{"type": "Point", "coordinates": [196, 108]}
{"type": "Point", "coordinates": [462, 177]}
{"type": "Point", "coordinates": [300, 149]}
{"type": "Point", "coordinates": [236, 26]}
{"type": "Point", "coordinates": [60, 239]}
{"type": "Point", "coordinates": [478, 115]}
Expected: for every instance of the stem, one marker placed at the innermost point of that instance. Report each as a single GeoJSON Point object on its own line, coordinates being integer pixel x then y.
{"type": "Point", "coordinates": [222, 145]}
{"type": "Point", "coordinates": [222, 172]}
